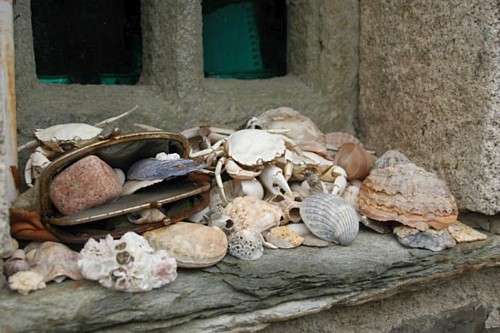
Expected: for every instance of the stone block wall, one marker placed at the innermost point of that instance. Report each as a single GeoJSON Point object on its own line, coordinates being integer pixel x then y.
{"type": "Point", "coordinates": [429, 86]}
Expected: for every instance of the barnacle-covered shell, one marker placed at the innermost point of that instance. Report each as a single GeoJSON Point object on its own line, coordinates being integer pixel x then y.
{"type": "Point", "coordinates": [407, 194]}
{"type": "Point", "coordinates": [330, 218]}
{"type": "Point", "coordinates": [126, 264]}
{"type": "Point", "coordinates": [355, 160]}
{"type": "Point", "coordinates": [192, 245]}
{"type": "Point", "coordinates": [153, 168]}
{"type": "Point", "coordinates": [245, 244]}
{"type": "Point", "coordinates": [390, 158]}
{"type": "Point", "coordinates": [253, 213]}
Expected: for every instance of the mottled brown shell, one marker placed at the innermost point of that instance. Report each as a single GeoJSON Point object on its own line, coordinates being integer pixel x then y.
{"type": "Point", "coordinates": [355, 160]}
{"type": "Point", "coordinates": [407, 194]}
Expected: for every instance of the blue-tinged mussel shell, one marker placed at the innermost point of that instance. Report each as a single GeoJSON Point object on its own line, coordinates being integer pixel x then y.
{"type": "Point", "coordinates": [153, 169]}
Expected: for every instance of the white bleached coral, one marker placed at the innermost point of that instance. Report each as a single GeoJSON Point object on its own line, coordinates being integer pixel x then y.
{"type": "Point", "coordinates": [127, 264]}
{"type": "Point", "coordinates": [26, 281]}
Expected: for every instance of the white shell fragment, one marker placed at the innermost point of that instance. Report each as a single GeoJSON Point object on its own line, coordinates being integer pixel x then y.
{"type": "Point", "coordinates": [127, 264]}
{"type": "Point", "coordinates": [330, 218]}
{"type": "Point", "coordinates": [463, 233]}
{"type": "Point", "coordinates": [309, 238]}
{"type": "Point", "coordinates": [26, 281]}
{"type": "Point", "coordinates": [246, 244]}
{"type": "Point", "coordinates": [192, 245]}
{"type": "Point", "coordinates": [283, 237]}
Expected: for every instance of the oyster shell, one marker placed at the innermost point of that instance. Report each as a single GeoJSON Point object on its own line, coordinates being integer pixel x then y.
{"type": "Point", "coordinates": [253, 214]}
{"type": "Point", "coordinates": [127, 264]}
{"type": "Point", "coordinates": [245, 244]}
{"type": "Point", "coordinates": [407, 194]}
{"type": "Point", "coordinates": [330, 218]}
{"type": "Point", "coordinates": [54, 261]}
{"type": "Point", "coordinates": [193, 245]}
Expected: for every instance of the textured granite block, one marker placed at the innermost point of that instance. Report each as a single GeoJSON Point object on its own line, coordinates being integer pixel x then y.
{"type": "Point", "coordinates": [87, 183]}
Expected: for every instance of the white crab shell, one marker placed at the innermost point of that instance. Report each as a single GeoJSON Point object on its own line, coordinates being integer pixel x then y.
{"type": "Point", "coordinates": [252, 147]}
{"type": "Point", "coordinates": [76, 134]}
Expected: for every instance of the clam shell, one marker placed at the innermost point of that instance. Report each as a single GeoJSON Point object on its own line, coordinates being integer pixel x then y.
{"type": "Point", "coordinates": [152, 168]}
{"type": "Point", "coordinates": [330, 218]}
{"type": "Point", "coordinates": [246, 244]}
{"type": "Point", "coordinates": [192, 245]}
{"type": "Point", "coordinates": [407, 194]}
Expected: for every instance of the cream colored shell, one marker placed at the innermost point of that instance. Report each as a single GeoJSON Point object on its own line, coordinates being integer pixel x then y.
{"type": "Point", "coordinates": [192, 245]}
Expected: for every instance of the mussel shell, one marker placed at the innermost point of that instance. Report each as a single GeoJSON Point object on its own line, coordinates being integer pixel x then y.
{"type": "Point", "coordinates": [330, 218]}
{"type": "Point", "coordinates": [152, 168]}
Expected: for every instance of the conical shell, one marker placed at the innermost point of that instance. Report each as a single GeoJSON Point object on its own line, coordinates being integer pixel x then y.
{"type": "Point", "coordinates": [330, 218]}
{"type": "Point", "coordinates": [407, 194]}
{"type": "Point", "coordinates": [355, 160]}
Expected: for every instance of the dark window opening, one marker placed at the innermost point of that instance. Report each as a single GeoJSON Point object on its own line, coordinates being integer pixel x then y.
{"type": "Point", "coordinates": [87, 41]}
{"type": "Point", "coordinates": [244, 39]}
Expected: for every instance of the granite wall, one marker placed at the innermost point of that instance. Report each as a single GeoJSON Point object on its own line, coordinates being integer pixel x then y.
{"type": "Point", "coordinates": [429, 86]}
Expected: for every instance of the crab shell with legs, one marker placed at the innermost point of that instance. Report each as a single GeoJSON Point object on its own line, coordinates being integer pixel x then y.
{"type": "Point", "coordinates": [55, 140]}
{"type": "Point", "coordinates": [249, 153]}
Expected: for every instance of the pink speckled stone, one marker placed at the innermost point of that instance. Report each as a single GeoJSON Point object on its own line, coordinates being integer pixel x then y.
{"type": "Point", "coordinates": [87, 183]}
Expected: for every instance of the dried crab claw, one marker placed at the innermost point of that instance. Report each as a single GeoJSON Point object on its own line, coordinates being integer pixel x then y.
{"type": "Point", "coordinates": [58, 139]}
{"type": "Point", "coordinates": [245, 153]}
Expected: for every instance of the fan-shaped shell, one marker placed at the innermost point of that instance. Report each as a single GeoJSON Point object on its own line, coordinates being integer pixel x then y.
{"type": "Point", "coordinates": [390, 158]}
{"type": "Point", "coordinates": [192, 245]}
{"type": "Point", "coordinates": [407, 194]}
{"type": "Point", "coordinates": [152, 168]}
{"type": "Point", "coordinates": [355, 160]}
{"type": "Point", "coordinates": [330, 218]}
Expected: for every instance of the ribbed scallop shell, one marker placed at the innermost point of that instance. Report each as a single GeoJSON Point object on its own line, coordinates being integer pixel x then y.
{"type": "Point", "coordinates": [330, 218]}
{"type": "Point", "coordinates": [407, 194]}
{"type": "Point", "coordinates": [390, 158]}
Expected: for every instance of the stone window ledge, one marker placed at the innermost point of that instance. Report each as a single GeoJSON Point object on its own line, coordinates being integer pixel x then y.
{"type": "Point", "coordinates": [248, 295]}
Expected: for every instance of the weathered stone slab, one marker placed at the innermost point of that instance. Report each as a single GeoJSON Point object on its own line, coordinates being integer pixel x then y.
{"type": "Point", "coordinates": [247, 295]}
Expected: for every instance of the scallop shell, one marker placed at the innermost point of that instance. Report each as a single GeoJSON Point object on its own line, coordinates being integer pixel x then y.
{"type": "Point", "coordinates": [192, 245]}
{"type": "Point", "coordinates": [407, 194]}
{"type": "Point", "coordinates": [246, 244]}
{"type": "Point", "coordinates": [355, 160]}
{"type": "Point", "coordinates": [330, 218]}
{"type": "Point", "coordinates": [152, 168]}
{"type": "Point", "coordinates": [390, 158]}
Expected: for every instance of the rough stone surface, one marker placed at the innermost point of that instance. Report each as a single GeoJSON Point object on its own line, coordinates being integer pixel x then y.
{"type": "Point", "coordinates": [244, 295]}
{"type": "Point", "coordinates": [429, 76]}
{"type": "Point", "coordinates": [488, 223]}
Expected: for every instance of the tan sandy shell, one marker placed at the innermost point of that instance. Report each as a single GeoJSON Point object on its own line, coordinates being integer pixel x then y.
{"type": "Point", "coordinates": [253, 213]}
{"type": "Point", "coordinates": [355, 160]}
{"type": "Point", "coordinates": [192, 245]}
{"type": "Point", "coordinates": [283, 237]}
{"type": "Point", "coordinates": [463, 233]}
{"type": "Point", "coordinates": [407, 194]}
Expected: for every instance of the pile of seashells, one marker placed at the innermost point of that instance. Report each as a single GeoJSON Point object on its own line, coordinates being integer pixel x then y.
{"type": "Point", "coordinates": [277, 183]}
